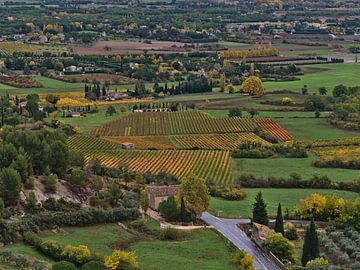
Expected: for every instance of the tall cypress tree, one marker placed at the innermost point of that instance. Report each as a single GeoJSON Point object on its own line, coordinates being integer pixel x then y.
{"type": "Point", "coordinates": [259, 210]}
{"type": "Point", "coordinates": [311, 248]}
{"type": "Point", "coordinates": [279, 222]}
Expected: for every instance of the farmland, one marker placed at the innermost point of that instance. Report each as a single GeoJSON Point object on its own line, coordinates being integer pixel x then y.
{"type": "Point", "coordinates": [215, 165]}
{"type": "Point", "coordinates": [185, 122]}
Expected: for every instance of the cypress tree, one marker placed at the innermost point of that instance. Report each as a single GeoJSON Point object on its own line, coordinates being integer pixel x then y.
{"type": "Point", "coordinates": [311, 249]}
{"type": "Point", "coordinates": [279, 222]}
{"type": "Point", "coordinates": [259, 210]}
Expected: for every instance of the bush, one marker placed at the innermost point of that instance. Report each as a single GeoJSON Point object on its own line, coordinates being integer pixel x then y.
{"type": "Point", "coordinates": [169, 234]}
{"type": "Point", "coordinates": [291, 232]}
{"type": "Point", "coordinates": [243, 260]}
{"type": "Point", "coordinates": [280, 247]}
{"type": "Point", "coordinates": [77, 178]}
{"type": "Point", "coordinates": [63, 265]}
{"type": "Point", "coordinates": [93, 265]}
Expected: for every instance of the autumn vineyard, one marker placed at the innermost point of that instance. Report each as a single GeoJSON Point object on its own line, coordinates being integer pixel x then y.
{"type": "Point", "coordinates": [180, 143]}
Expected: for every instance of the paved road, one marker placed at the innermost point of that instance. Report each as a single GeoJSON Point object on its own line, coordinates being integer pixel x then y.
{"type": "Point", "coordinates": [228, 228]}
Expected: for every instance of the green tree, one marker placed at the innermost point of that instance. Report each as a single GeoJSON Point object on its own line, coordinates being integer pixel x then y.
{"type": "Point", "coordinates": [10, 184]}
{"type": "Point", "coordinates": [340, 90]}
{"type": "Point", "coordinates": [259, 210]}
{"type": "Point", "coordinates": [110, 110]}
{"type": "Point", "coordinates": [113, 194]}
{"type": "Point", "coordinates": [311, 248]}
{"type": "Point", "coordinates": [235, 112]}
{"type": "Point", "coordinates": [21, 164]}
{"type": "Point", "coordinates": [140, 89]}
{"type": "Point", "coordinates": [279, 222]}
{"type": "Point", "coordinates": [196, 195]}
{"type": "Point", "coordinates": [168, 209]}
{"type": "Point", "coordinates": [222, 82]}
{"type": "Point", "coordinates": [144, 199]}
{"type": "Point", "coordinates": [253, 112]}
{"type": "Point", "coordinates": [59, 158]}
{"type": "Point", "coordinates": [322, 91]}
{"type": "Point", "coordinates": [2, 207]}
{"type": "Point", "coordinates": [50, 183]}
{"type": "Point", "coordinates": [32, 205]}
{"type": "Point", "coordinates": [280, 247]}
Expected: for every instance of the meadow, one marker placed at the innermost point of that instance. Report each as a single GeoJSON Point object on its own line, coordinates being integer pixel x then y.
{"type": "Point", "coordinates": [283, 167]}
{"type": "Point", "coordinates": [327, 75]}
{"type": "Point", "coordinates": [182, 254]}
{"type": "Point", "coordinates": [288, 198]}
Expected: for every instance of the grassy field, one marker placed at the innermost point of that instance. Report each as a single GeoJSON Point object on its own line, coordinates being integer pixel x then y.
{"type": "Point", "coordinates": [304, 129]}
{"type": "Point", "coordinates": [204, 250]}
{"type": "Point", "coordinates": [288, 198]}
{"type": "Point", "coordinates": [93, 120]}
{"type": "Point", "coordinates": [213, 253]}
{"type": "Point", "coordinates": [328, 75]}
{"type": "Point", "coordinates": [283, 167]}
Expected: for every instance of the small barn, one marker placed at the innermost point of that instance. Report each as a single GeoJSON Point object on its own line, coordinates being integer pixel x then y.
{"type": "Point", "coordinates": [158, 194]}
{"type": "Point", "coordinates": [128, 145]}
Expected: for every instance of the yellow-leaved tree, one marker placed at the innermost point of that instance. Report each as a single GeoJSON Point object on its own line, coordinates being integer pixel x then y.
{"type": "Point", "coordinates": [253, 86]}
{"type": "Point", "coordinates": [243, 260]}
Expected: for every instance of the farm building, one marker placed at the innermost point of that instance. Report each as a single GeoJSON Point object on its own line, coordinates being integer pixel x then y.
{"type": "Point", "coordinates": [158, 194]}
{"type": "Point", "coordinates": [128, 145]}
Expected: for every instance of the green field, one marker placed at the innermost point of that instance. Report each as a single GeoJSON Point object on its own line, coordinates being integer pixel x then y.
{"type": "Point", "coordinates": [283, 167]}
{"type": "Point", "coordinates": [93, 120]}
{"type": "Point", "coordinates": [305, 129]}
{"type": "Point", "coordinates": [213, 253]}
{"type": "Point", "coordinates": [328, 75]}
{"type": "Point", "coordinates": [205, 250]}
{"type": "Point", "coordinates": [288, 198]}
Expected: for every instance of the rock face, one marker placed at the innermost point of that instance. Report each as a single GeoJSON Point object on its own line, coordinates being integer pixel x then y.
{"type": "Point", "coordinates": [63, 190]}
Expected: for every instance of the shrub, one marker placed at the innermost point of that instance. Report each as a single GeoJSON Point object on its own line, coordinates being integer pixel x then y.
{"type": "Point", "coordinates": [243, 260]}
{"type": "Point", "coordinates": [76, 254]}
{"type": "Point", "coordinates": [63, 265]}
{"type": "Point", "coordinates": [290, 231]}
{"type": "Point", "coordinates": [169, 234]}
{"type": "Point", "coordinates": [280, 247]}
{"type": "Point", "coordinates": [121, 260]}
{"type": "Point", "coordinates": [77, 178]}
{"type": "Point", "coordinates": [93, 265]}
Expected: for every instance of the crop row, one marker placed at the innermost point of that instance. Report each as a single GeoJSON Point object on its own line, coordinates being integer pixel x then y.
{"type": "Point", "coordinates": [272, 128]}
{"type": "Point", "coordinates": [228, 141]}
{"type": "Point", "coordinates": [144, 142]}
{"type": "Point", "coordinates": [173, 123]}
{"type": "Point", "coordinates": [209, 164]}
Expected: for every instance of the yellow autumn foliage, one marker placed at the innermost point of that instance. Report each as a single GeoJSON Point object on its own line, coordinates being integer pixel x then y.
{"type": "Point", "coordinates": [120, 259]}
{"type": "Point", "coordinates": [253, 86]}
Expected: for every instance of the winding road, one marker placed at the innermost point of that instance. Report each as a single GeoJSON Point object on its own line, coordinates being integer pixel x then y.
{"type": "Point", "coordinates": [229, 229]}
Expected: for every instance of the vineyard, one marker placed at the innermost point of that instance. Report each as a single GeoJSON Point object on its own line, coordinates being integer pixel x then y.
{"type": "Point", "coordinates": [272, 128]}
{"type": "Point", "coordinates": [217, 141]}
{"type": "Point", "coordinates": [186, 122]}
{"type": "Point", "coordinates": [210, 164]}
{"type": "Point", "coordinates": [144, 142]}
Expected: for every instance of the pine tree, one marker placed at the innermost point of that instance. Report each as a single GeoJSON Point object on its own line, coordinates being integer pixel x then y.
{"type": "Point", "coordinates": [259, 210]}
{"type": "Point", "coordinates": [279, 223]}
{"type": "Point", "coordinates": [311, 249]}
